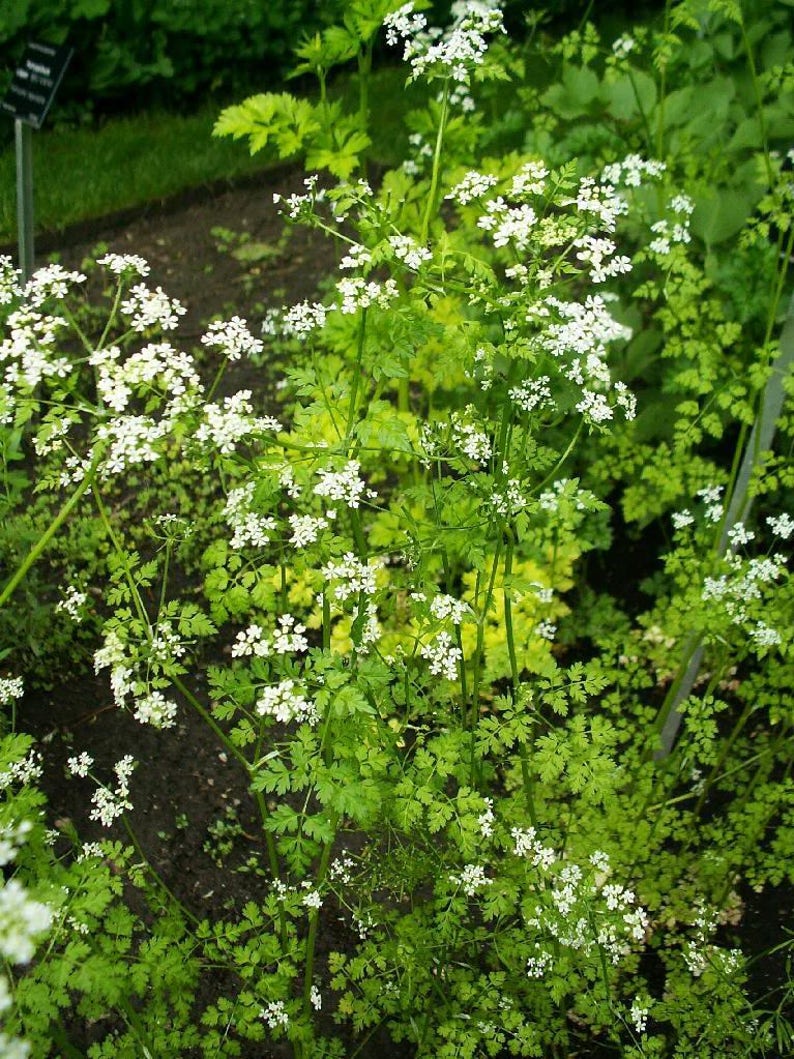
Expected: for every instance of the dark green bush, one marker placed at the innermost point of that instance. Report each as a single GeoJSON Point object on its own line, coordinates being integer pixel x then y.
{"type": "Point", "coordinates": [135, 53]}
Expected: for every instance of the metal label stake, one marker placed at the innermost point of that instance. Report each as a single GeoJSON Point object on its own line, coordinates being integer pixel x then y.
{"type": "Point", "coordinates": [28, 99]}
{"type": "Point", "coordinates": [23, 136]}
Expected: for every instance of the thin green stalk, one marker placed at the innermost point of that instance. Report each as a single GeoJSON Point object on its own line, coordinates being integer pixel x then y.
{"type": "Point", "coordinates": [662, 88]}
{"type": "Point", "coordinates": [314, 920]}
{"type": "Point", "coordinates": [432, 196]}
{"type": "Point", "coordinates": [526, 775]}
{"type": "Point", "coordinates": [42, 543]}
{"type": "Point", "coordinates": [351, 414]}
{"type": "Point", "coordinates": [478, 658]}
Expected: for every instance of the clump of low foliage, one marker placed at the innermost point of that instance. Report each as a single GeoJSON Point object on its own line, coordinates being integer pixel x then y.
{"type": "Point", "coordinates": [534, 805]}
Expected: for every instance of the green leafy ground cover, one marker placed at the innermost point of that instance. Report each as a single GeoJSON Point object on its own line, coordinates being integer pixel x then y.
{"type": "Point", "coordinates": [535, 805]}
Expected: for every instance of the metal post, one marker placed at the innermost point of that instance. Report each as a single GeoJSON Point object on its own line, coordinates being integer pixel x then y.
{"type": "Point", "coordinates": [24, 144]}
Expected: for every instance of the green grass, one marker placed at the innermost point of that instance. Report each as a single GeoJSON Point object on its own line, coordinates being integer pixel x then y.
{"type": "Point", "coordinates": [80, 174]}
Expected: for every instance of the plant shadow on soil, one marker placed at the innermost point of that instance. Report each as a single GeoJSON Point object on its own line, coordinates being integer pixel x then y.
{"type": "Point", "coordinates": [184, 784]}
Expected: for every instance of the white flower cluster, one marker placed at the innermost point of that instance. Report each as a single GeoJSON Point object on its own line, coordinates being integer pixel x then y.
{"type": "Point", "coordinates": [597, 253]}
{"type": "Point", "coordinates": [473, 443]}
{"type": "Point", "coordinates": [306, 529]}
{"type": "Point", "coordinates": [357, 293]}
{"type": "Point", "coordinates": [443, 656]}
{"type": "Point", "coordinates": [471, 879]}
{"type": "Point", "coordinates": [296, 205]}
{"type": "Point", "coordinates": [249, 527]}
{"type": "Point", "coordinates": [453, 53]}
{"type": "Point", "coordinates": [312, 898]}
{"type": "Point", "coordinates": [131, 440]}
{"type": "Point", "coordinates": [579, 341]}
{"type": "Point", "coordinates": [509, 499]}
{"type": "Point", "coordinates": [285, 703]}
{"type": "Point", "coordinates": [352, 577]}
{"type": "Point", "coordinates": [370, 631]}
{"type": "Point", "coordinates": [22, 771]}
{"type": "Point", "coordinates": [151, 309]}
{"type": "Point", "coordinates": [563, 489]}
{"type": "Point", "coordinates": [781, 525]}
{"type": "Point", "coordinates": [158, 366]}
{"type": "Point", "coordinates": [443, 606]}
{"type": "Point", "coordinates": [668, 233]}
{"type": "Point", "coordinates": [80, 764]}
{"type": "Point", "coordinates": [52, 281]}
{"type": "Point", "coordinates": [474, 185]}
{"type": "Point", "coordinates": [10, 290]}
{"type": "Point", "coordinates": [742, 586]}
{"type": "Point", "coordinates": [27, 350]}
{"type": "Point", "coordinates": [121, 263]}
{"type": "Point", "coordinates": [589, 914]}
{"type": "Point", "coordinates": [155, 709]}
{"type": "Point", "coordinates": [486, 819]}
{"type": "Point", "coordinates": [623, 46]}
{"type": "Point", "coordinates": [300, 320]}
{"type": "Point", "coordinates": [72, 602]}
{"type": "Point", "coordinates": [529, 180]}
{"type": "Point", "coordinates": [109, 804]}
{"type": "Point", "coordinates": [11, 688]}
{"type": "Point", "coordinates": [527, 844]}
{"type": "Point", "coordinates": [275, 1015]}
{"type": "Point", "coordinates": [631, 170]}
{"type": "Point", "coordinates": [288, 638]}
{"type": "Point", "coordinates": [150, 706]}
{"type": "Point", "coordinates": [346, 485]}
{"type": "Point", "coordinates": [227, 424]}
{"type": "Point", "coordinates": [233, 338]}
{"type": "Point", "coordinates": [22, 922]}
{"type": "Point", "coordinates": [12, 837]}
{"type": "Point", "coordinates": [532, 394]}
{"type": "Point", "coordinates": [508, 224]}
{"type": "Point", "coordinates": [602, 201]}
{"type": "Point", "coordinates": [357, 256]}
{"type": "Point", "coordinates": [408, 251]}
{"type": "Point", "coordinates": [638, 1013]}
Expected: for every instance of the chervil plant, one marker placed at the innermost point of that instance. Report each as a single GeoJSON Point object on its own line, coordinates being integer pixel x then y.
{"type": "Point", "coordinates": [453, 743]}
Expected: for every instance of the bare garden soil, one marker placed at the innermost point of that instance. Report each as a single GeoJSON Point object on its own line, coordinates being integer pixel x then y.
{"type": "Point", "coordinates": [221, 252]}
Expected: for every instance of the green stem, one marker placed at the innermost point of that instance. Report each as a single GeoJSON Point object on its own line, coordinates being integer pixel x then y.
{"type": "Point", "coordinates": [526, 774]}
{"type": "Point", "coordinates": [351, 414]}
{"type": "Point", "coordinates": [314, 920]}
{"type": "Point", "coordinates": [432, 196]}
{"type": "Point", "coordinates": [41, 544]}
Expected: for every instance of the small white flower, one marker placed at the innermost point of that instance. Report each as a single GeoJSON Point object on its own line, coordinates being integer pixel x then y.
{"type": "Point", "coordinates": [639, 1014]}
{"type": "Point", "coordinates": [473, 186]}
{"type": "Point", "coordinates": [312, 899]}
{"type": "Point", "coordinates": [11, 688]}
{"type": "Point", "coordinates": [781, 525]}
{"type": "Point", "coordinates": [156, 710]}
{"type": "Point", "coordinates": [443, 656]}
{"type": "Point", "coordinates": [151, 309]}
{"type": "Point", "coordinates": [233, 338]}
{"type": "Point", "coordinates": [79, 766]}
{"type": "Point", "coordinates": [471, 879]}
{"type": "Point", "coordinates": [275, 1015]}
{"type": "Point", "coordinates": [345, 485]}
{"type": "Point", "coordinates": [120, 263]}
